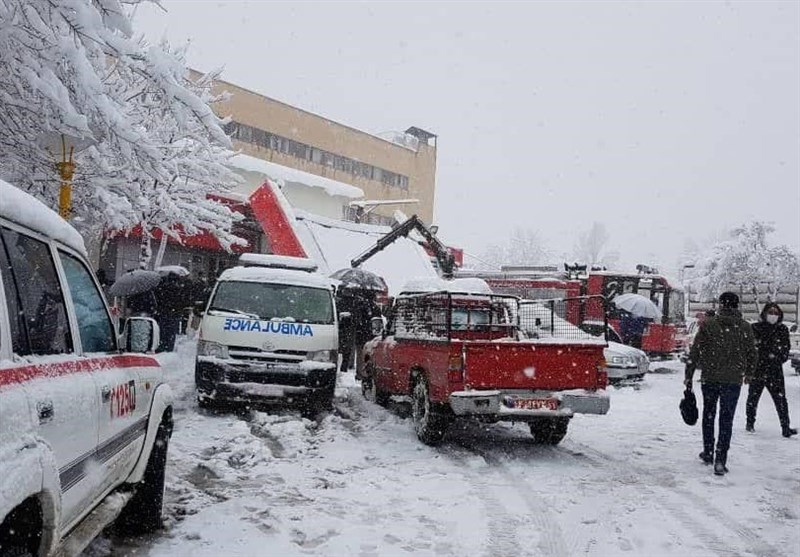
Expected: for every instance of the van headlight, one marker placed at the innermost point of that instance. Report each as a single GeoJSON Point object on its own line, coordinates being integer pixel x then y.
{"type": "Point", "coordinates": [622, 361]}
{"type": "Point", "coordinates": [214, 349]}
{"type": "Point", "coordinates": [327, 356]}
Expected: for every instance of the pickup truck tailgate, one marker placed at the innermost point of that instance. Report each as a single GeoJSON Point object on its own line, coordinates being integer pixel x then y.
{"type": "Point", "coordinates": [526, 365]}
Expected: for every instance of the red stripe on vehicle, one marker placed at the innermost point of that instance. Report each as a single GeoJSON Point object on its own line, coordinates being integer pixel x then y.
{"type": "Point", "coordinates": [24, 373]}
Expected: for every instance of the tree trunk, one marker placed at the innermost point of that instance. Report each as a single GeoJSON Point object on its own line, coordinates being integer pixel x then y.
{"type": "Point", "coordinates": [145, 250]}
{"type": "Point", "coordinates": [162, 247]}
{"type": "Point", "coordinates": [756, 299]}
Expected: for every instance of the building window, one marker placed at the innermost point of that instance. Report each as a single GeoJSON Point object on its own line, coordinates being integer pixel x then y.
{"type": "Point", "coordinates": [263, 138]}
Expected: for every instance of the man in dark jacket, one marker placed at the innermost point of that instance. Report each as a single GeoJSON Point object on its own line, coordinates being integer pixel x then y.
{"type": "Point", "coordinates": [725, 351]}
{"type": "Point", "coordinates": [772, 341]}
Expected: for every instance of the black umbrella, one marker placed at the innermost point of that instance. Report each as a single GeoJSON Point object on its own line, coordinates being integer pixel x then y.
{"type": "Point", "coordinates": [359, 279]}
{"type": "Point", "coordinates": [135, 282]}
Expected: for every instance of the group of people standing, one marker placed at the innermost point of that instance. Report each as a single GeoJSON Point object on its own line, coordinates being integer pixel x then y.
{"type": "Point", "coordinates": [729, 352]}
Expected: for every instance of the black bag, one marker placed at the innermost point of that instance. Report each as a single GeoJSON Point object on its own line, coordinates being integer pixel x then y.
{"type": "Point", "coordinates": [688, 407]}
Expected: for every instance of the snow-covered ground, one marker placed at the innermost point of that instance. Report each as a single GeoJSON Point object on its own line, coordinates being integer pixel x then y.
{"type": "Point", "coordinates": [359, 483]}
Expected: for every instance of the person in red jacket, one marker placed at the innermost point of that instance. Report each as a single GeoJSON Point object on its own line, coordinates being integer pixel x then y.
{"type": "Point", "coordinates": [772, 341]}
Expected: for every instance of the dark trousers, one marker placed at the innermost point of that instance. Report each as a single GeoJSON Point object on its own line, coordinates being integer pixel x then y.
{"type": "Point", "coordinates": [168, 329]}
{"type": "Point", "coordinates": [346, 352]}
{"type": "Point", "coordinates": [727, 395]}
{"type": "Point", "coordinates": [777, 389]}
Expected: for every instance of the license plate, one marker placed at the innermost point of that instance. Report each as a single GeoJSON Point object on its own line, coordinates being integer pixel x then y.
{"type": "Point", "coordinates": [536, 403]}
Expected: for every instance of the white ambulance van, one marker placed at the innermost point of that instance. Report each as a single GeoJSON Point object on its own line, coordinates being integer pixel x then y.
{"type": "Point", "coordinates": [269, 335]}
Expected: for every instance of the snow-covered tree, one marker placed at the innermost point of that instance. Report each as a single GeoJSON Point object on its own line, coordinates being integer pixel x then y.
{"type": "Point", "coordinates": [71, 68]}
{"type": "Point", "coordinates": [524, 247]}
{"type": "Point", "coordinates": [591, 247]}
{"type": "Point", "coordinates": [745, 260]}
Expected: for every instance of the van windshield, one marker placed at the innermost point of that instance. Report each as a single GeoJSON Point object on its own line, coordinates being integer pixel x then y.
{"type": "Point", "coordinates": [275, 301]}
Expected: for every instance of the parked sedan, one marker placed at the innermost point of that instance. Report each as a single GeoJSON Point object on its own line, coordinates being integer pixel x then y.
{"type": "Point", "coordinates": [625, 362]}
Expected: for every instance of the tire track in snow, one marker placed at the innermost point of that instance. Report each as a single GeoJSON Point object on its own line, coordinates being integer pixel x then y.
{"type": "Point", "coordinates": [551, 541]}
{"type": "Point", "coordinates": [755, 543]}
{"type": "Point", "coordinates": [502, 538]}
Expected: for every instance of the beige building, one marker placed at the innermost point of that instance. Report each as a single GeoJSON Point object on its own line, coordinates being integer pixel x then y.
{"type": "Point", "coordinates": [397, 165]}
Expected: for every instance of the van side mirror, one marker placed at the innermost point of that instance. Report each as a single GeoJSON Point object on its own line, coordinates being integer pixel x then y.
{"type": "Point", "coordinates": [141, 335]}
{"type": "Point", "coordinates": [376, 324]}
{"type": "Point", "coordinates": [199, 307]}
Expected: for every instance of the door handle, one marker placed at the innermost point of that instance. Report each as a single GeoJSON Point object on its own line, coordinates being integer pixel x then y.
{"type": "Point", "coordinates": [45, 410]}
{"type": "Point", "coordinates": [105, 393]}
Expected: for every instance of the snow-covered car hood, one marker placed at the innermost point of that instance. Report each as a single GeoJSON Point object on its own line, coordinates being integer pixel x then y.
{"type": "Point", "coordinates": [617, 349]}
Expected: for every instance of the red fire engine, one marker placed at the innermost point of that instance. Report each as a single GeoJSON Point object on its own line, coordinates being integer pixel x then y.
{"type": "Point", "coordinates": [663, 338]}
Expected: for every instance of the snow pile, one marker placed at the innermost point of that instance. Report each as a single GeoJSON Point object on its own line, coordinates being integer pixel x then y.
{"type": "Point", "coordinates": [333, 244]}
{"type": "Point", "coordinates": [22, 208]}
{"type": "Point", "coordinates": [281, 173]}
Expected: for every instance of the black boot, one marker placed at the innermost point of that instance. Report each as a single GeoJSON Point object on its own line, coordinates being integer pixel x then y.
{"type": "Point", "coordinates": [707, 458]}
{"type": "Point", "coordinates": [720, 468]}
{"type": "Point", "coordinates": [789, 431]}
{"type": "Point", "coordinates": [750, 427]}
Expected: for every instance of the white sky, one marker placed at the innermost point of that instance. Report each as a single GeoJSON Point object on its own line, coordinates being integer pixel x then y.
{"type": "Point", "coordinates": [666, 121]}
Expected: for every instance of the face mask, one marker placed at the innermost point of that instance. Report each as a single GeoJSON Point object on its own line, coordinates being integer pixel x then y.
{"type": "Point", "coordinates": [772, 318]}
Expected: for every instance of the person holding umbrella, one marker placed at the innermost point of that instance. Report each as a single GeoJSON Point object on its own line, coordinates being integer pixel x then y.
{"type": "Point", "coordinates": [357, 297]}
{"type": "Point", "coordinates": [172, 298]}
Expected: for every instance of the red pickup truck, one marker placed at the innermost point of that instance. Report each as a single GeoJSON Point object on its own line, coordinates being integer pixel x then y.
{"type": "Point", "coordinates": [460, 354]}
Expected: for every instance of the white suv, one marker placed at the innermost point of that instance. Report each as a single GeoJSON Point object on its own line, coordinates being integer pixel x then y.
{"type": "Point", "coordinates": [84, 425]}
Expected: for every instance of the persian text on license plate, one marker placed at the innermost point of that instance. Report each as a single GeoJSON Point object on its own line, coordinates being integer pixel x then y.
{"type": "Point", "coordinates": [536, 403]}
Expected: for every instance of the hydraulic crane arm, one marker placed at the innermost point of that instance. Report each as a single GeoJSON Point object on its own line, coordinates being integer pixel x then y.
{"type": "Point", "coordinates": [440, 251]}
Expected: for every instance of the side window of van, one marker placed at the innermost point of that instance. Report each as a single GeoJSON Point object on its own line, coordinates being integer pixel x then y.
{"type": "Point", "coordinates": [16, 319]}
{"type": "Point", "coordinates": [94, 324]}
{"type": "Point", "coordinates": [43, 315]}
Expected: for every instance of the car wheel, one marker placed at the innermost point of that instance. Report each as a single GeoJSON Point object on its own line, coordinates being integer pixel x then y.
{"type": "Point", "coordinates": [430, 424]}
{"type": "Point", "coordinates": [370, 390]}
{"type": "Point", "coordinates": [549, 431]}
{"type": "Point", "coordinates": [142, 514]}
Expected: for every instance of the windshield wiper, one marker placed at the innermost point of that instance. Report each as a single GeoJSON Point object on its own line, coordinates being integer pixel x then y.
{"type": "Point", "coordinates": [235, 312]}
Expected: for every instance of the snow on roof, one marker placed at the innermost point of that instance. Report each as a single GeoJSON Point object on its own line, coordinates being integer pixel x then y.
{"type": "Point", "coordinates": [437, 284]}
{"type": "Point", "coordinates": [334, 243]}
{"type": "Point", "coordinates": [22, 208]}
{"type": "Point", "coordinates": [286, 174]}
{"type": "Point", "coordinates": [277, 276]}
{"type": "Point", "coordinates": [278, 262]}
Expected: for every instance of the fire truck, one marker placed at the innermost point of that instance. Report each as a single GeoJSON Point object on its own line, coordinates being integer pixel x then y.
{"type": "Point", "coordinates": [662, 339]}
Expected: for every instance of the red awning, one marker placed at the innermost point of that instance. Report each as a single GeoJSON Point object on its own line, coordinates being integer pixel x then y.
{"type": "Point", "coordinates": [275, 222]}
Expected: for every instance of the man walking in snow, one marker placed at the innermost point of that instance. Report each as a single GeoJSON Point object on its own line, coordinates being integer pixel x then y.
{"type": "Point", "coordinates": [725, 350]}
{"type": "Point", "coordinates": [772, 341]}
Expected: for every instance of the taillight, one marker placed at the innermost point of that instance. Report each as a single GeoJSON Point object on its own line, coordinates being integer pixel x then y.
{"type": "Point", "coordinates": [455, 368]}
{"type": "Point", "coordinates": [602, 374]}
